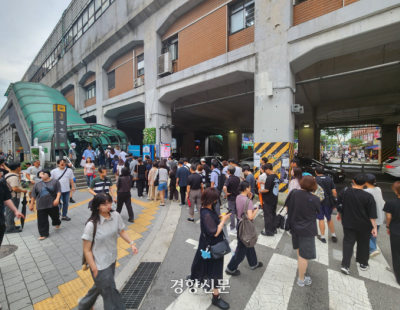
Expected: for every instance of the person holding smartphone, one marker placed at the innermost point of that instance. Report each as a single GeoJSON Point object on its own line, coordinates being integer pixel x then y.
{"type": "Point", "coordinates": [242, 251]}
{"type": "Point", "coordinates": [357, 211]}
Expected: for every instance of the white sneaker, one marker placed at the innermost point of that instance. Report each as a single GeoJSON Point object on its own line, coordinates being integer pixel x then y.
{"type": "Point", "coordinates": [374, 253]}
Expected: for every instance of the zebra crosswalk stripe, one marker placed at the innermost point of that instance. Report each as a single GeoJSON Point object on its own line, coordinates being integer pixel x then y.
{"type": "Point", "coordinates": [346, 292]}
{"type": "Point", "coordinates": [275, 287]}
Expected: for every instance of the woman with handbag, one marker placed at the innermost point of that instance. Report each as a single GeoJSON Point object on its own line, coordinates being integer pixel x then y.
{"type": "Point", "coordinates": [303, 206]}
{"type": "Point", "coordinates": [124, 184]}
{"type": "Point", "coordinates": [162, 177]}
{"type": "Point", "coordinates": [100, 252]}
{"type": "Point", "coordinates": [243, 203]}
{"type": "Point", "coordinates": [140, 171]}
{"type": "Point", "coordinates": [208, 266]}
{"type": "Point", "coordinates": [88, 171]}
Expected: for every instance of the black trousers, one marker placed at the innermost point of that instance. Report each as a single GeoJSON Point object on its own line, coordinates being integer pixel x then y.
{"type": "Point", "coordinates": [352, 236]}
{"type": "Point", "coordinates": [140, 186]}
{"type": "Point", "coordinates": [146, 185]}
{"type": "Point", "coordinates": [43, 220]}
{"type": "Point", "coordinates": [182, 190]}
{"type": "Point", "coordinates": [125, 198]}
{"type": "Point", "coordinates": [2, 230]}
{"type": "Point", "coordinates": [269, 216]}
{"type": "Point", "coordinates": [173, 192]}
{"type": "Point", "coordinates": [241, 252]}
{"type": "Point", "coordinates": [395, 246]}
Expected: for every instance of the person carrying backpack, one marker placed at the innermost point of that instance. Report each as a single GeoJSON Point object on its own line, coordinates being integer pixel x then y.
{"type": "Point", "coordinates": [244, 250]}
{"type": "Point", "coordinates": [217, 179]}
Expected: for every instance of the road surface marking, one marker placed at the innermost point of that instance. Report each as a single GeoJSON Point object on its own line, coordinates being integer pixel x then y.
{"type": "Point", "coordinates": [346, 292]}
{"type": "Point", "coordinates": [193, 242]}
{"type": "Point", "coordinates": [270, 242]}
{"type": "Point", "coordinates": [275, 287]}
{"type": "Point", "coordinates": [378, 271]}
{"type": "Point", "coordinates": [322, 248]}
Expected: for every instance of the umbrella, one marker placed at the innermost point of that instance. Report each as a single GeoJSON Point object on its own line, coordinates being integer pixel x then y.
{"type": "Point", "coordinates": [23, 211]}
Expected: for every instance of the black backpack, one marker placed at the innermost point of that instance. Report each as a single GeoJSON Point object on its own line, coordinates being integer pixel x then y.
{"type": "Point", "coordinates": [221, 179]}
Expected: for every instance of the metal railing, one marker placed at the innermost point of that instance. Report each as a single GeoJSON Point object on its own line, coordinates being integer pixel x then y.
{"type": "Point", "coordinates": [362, 166]}
{"type": "Point", "coordinates": [69, 16]}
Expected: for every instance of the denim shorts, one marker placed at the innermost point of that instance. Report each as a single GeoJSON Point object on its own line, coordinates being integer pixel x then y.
{"type": "Point", "coordinates": [325, 211]}
{"type": "Point", "coordinates": [162, 186]}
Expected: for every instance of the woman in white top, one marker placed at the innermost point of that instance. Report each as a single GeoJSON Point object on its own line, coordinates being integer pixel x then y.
{"type": "Point", "coordinates": [122, 155]}
{"type": "Point", "coordinates": [121, 165]}
{"type": "Point", "coordinates": [117, 150]}
{"type": "Point", "coordinates": [377, 193]}
{"type": "Point", "coordinates": [162, 174]}
{"type": "Point", "coordinates": [103, 229]}
{"type": "Point", "coordinates": [88, 171]}
{"type": "Point", "coordinates": [297, 175]}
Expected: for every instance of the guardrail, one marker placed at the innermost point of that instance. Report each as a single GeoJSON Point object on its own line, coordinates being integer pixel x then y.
{"type": "Point", "coordinates": [346, 165]}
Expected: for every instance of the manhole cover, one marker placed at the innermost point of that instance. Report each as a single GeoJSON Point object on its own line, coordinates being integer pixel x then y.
{"type": "Point", "coordinates": [6, 250]}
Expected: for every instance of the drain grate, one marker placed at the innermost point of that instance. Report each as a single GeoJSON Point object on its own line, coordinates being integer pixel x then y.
{"type": "Point", "coordinates": [136, 287]}
{"type": "Point", "coordinates": [7, 250]}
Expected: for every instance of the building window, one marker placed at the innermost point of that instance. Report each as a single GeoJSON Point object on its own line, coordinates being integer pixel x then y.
{"type": "Point", "coordinates": [241, 15]}
{"type": "Point", "coordinates": [140, 65]}
{"type": "Point", "coordinates": [91, 91]}
{"type": "Point", "coordinates": [171, 46]}
{"type": "Point", "coordinates": [111, 80]}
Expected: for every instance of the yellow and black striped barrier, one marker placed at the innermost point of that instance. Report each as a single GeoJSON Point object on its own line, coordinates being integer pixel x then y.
{"type": "Point", "coordinates": [385, 153]}
{"type": "Point", "coordinates": [275, 152]}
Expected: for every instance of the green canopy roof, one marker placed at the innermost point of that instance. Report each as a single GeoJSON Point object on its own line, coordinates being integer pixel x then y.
{"type": "Point", "coordinates": [36, 101]}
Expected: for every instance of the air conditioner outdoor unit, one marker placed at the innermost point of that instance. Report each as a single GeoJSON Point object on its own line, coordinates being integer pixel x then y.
{"type": "Point", "coordinates": [165, 64]}
{"type": "Point", "coordinates": [297, 109]}
{"type": "Point", "coordinates": [139, 82]}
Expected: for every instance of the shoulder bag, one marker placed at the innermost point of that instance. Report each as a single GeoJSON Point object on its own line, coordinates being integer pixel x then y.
{"type": "Point", "coordinates": [247, 231]}
{"type": "Point", "coordinates": [157, 180]}
{"type": "Point", "coordinates": [85, 265]}
{"type": "Point", "coordinates": [340, 206]}
{"type": "Point", "coordinates": [220, 249]}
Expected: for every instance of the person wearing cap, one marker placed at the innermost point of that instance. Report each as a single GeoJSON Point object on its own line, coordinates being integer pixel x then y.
{"type": "Point", "coordinates": [72, 153]}
{"type": "Point", "coordinates": [376, 192]}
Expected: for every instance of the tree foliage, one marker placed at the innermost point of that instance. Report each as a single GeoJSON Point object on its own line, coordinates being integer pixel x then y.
{"type": "Point", "coordinates": [355, 142]}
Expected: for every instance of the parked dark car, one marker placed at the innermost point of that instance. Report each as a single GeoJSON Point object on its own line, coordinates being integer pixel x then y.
{"type": "Point", "coordinates": [308, 165]}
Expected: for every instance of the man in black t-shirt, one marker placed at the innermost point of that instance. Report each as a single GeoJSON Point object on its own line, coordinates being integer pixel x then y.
{"type": "Point", "coordinates": [194, 190]}
{"type": "Point", "coordinates": [357, 211]}
{"type": "Point", "coordinates": [231, 189]}
{"type": "Point", "coordinates": [392, 209]}
{"type": "Point", "coordinates": [326, 207]}
{"type": "Point", "coordinates": [207, 170]}
{"type": "Point", "coordinates": [270, 200]}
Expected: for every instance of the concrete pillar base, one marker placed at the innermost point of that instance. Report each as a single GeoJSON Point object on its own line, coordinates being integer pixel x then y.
{"type": "Point", "coordinates": [388, 143]}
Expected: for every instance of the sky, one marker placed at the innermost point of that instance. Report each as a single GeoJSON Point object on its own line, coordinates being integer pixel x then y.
{"type": "Point", "coordinates": [24, 27]}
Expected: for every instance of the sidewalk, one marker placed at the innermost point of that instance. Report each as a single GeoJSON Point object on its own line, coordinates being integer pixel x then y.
{"type": "Point", "coordinates": [47, 275]}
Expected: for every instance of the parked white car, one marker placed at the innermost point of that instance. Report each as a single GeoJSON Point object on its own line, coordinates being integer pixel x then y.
{"type": "Point", "coordinates": [392, 166]}
{"type": "Point", "coordinates": [247, 161]}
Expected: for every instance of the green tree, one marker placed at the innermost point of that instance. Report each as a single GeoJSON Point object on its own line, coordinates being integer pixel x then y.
{"type": "Point", "coordinates": [296, 137]}
{"type": "Point", "coordinates": [355, 142]}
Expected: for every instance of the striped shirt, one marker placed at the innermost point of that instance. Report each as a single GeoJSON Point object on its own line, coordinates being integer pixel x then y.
{"type": "Point", "coordinates": [98, 183]}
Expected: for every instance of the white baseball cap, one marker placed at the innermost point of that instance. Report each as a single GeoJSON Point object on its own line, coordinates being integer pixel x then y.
{"type": "Point", "coordinates": [202, 159]}
{"type": "Point", "coordinates": [109, 147]}
{"type": "Point", "coordinates": [73, 144]}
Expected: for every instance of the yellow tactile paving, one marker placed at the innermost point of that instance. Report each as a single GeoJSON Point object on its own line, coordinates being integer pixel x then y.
{"type": "Point", "coordinates": [71, 291]}
{"type": "Point", "coordinates": [117, 265]}
{"type": "Point", "coordinates": [137, 228]}
{"type": "Point", "coordinates": [52, 303]}
{"type": "Point", "coordinates": [143, 222]}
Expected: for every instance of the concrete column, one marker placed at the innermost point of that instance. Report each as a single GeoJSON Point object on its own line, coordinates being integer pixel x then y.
{"type": "Point", "coordinates": [225, 143]}
{"type": "Point", "coordinates": [156, 112]}
{"type": "Point", "coordinates": [234, 143]}
{"type": "Point", "coordinates": [308, 138]}
{"type": "Point", "coordinates": [273, 117]}
{"type": "Point", "coordinates": [80, 95]}
{"type": "Point", "coordinates": [188, 144]}
{"type": "Point", "coordinates": [206, 146]}
{"type": "Point", "coordinates": [388, 142]}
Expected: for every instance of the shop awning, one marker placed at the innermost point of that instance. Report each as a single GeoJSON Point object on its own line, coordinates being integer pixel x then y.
{"type": "Point", "coordinates": [376, 149]}
{"type": "Point", "coordinates": [372, 147]}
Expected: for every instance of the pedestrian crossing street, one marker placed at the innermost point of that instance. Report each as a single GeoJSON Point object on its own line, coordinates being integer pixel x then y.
{"type": "Point", "coordinates": [275, 287]}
